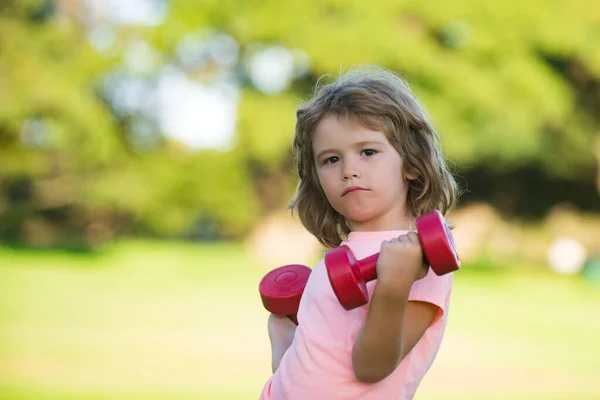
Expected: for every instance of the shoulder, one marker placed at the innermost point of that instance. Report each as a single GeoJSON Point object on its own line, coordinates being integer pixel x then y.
{"type": "Point", "coordinates": [433, 289]}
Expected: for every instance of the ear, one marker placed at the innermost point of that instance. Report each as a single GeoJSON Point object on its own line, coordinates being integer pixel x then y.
{"type": "Point", "coordinates": [409, 177]}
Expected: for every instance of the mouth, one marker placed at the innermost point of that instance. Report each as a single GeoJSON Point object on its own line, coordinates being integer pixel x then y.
{"type": "Point", "coordinates": [352, 189]}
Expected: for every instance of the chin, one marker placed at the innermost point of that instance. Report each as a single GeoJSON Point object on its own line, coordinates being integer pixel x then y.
{"type": "Point", "coordinates": [360, 217]}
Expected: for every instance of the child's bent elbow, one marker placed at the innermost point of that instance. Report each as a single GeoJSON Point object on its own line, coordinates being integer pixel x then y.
{"type": "Point", "coordinates": [367, 378]}
{"type": "Point", "coordinates": [369, 375]}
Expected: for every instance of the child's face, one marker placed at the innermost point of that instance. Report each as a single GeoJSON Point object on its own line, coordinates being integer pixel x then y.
{"type": "Point", "coordinates": [349, 156]}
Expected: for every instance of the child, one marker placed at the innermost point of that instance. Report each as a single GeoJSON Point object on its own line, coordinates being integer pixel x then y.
{"type": "Point", "coordinates": [369, 164]}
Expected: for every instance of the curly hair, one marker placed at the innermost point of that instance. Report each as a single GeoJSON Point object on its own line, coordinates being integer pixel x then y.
{"type": "Point", "coordinates": [380, 100]}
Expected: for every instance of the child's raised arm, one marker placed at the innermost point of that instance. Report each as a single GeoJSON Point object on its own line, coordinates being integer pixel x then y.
{"type": "Point", "coordinates": [281, 334]}
{"type": "Point", "coordinates": [393, 325]}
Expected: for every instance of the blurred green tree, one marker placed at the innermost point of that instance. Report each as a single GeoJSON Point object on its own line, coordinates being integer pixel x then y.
{"type": "Point", "coordinates": [514, 90]}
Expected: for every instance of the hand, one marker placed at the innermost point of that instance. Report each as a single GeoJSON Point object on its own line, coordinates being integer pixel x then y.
{"type": "Point", "coordinates": [281, 329]}
{"type": "Point", "coordinates": [400, 263]}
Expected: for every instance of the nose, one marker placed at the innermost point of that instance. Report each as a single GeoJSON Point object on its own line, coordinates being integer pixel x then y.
{"type": "Point", "coordinates": [350, 172]}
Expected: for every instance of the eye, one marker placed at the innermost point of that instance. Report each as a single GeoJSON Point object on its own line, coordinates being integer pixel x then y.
{"type": "Point", "coordinates": [331, 160]}
{"type": "Point", "coordinates": [369, 152]}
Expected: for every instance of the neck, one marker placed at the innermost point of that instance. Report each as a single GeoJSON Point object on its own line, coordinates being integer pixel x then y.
{"type": "Point", "coordinates": [404, 223]}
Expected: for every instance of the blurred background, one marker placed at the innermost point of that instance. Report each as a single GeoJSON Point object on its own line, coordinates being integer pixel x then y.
{"type": "Point", "coordinates": [145, 169]}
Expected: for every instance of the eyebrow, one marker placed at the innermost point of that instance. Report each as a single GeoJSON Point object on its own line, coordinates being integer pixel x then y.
{"type": "Point", "coordinates": [357, 145]}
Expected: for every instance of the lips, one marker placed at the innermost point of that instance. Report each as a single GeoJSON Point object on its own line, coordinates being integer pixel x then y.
{"type": "Point", "coordinates": [352, 189]}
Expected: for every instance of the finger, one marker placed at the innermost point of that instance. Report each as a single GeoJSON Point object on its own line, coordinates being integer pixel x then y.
{"type": "Point", "coordinates": [388, 242]}
{"type": "Point", "coordinates": [413, 237]}
{"type": "Point", "coordinates": [403, 238]}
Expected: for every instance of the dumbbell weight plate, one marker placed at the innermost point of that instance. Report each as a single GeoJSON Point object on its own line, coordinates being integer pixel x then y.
{"type": "Point", "coordinates": [281, 289]}
{"type": "Point", "coordinates": [348, 285]}
{"type": "Point", "coordinates": [437, 243]}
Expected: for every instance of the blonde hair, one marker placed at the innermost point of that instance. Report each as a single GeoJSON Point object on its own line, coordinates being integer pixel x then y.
{"type": "Point", "coordinates": [379, 100]}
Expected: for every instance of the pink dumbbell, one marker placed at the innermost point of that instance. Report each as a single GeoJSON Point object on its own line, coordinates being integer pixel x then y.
{"type": "Point", "coordinates": [282, 288]}
{"type": "Point", "coordinates": [349, 276]}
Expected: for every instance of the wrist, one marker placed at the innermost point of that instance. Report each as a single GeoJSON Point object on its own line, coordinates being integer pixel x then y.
{"type": "Point", "coordinates": [393, 292]}
{"type": "Point", "coordinates": [422, 272]}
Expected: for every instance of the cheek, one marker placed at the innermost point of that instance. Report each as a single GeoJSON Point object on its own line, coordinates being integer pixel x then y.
{"type": "Point", "coordinates": [330, 187]}
{"type": "Point", "coordinates": [394, 178]}
{"type": "Point", "coordinates": [322, 180]}
{"type": "Point", "coordinates": [389, 184]}
{"type": "Point", "coordinates": [325, 179]}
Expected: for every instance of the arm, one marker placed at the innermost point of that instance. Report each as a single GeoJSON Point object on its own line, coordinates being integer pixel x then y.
{"type": "Point", "coordinates": [281, 335]}
{"type": "Point", "coordinates": [393, 325]}
{"type": "Point", "coordinates": [392, 328]}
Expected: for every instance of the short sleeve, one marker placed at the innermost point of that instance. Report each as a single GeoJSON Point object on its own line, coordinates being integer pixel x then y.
{"type": "Point", "coordinates": [433, 289]}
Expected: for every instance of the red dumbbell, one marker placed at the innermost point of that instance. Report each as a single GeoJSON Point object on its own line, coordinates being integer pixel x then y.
{"type": "Point", "coordinates": [282, 288]}
{"type": "Point", "coordinates": [349, 276]}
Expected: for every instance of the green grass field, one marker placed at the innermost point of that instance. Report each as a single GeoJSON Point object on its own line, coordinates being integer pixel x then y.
{"type": "Point", "coordinates": [171, 321]}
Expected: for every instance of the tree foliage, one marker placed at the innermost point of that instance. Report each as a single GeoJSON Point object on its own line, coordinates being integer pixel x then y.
{"type": "Point", "coordinates": [509, 86]}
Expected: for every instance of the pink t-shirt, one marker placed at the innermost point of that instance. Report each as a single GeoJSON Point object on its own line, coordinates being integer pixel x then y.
{"type": "Point", "coordinates": [318, 364]}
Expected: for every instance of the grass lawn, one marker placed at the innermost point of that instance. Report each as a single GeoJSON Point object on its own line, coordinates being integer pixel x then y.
{"type": "Point", "coordinates": [158, 321]}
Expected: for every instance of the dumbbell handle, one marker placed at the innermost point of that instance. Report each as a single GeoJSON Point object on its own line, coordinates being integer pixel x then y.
{"type": "Point", "coordinates": [349, 276]}
{"type": "Point", "coordinates": [368, 267]}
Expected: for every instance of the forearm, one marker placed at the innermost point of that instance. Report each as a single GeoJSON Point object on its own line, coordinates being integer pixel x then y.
{"type": "Point", "coordinates": [378, 348]}
{"type": "Point", "coordinates": [278, 349]}
{"type": "Point", "coordinates": [281, 334]}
